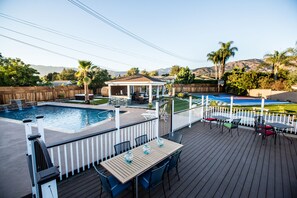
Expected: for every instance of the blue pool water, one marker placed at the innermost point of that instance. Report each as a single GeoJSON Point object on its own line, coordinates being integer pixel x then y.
{"type": "Point", "coordinates": [239, 100]}
{"type": "Point", "coordinates": [56, 117]}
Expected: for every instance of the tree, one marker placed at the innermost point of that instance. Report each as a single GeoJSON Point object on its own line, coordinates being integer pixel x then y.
{"type": "Point", "coordinates": [51, 77]}
{"type": "Point", "coordinates": [14, 72]}
{"type": "Point", "coordinates": [278, 60]}
{"type": "Point", "coordinates": [154, 73]}
{"type": "Point", "coordinates": [215, 58]}
{"type": "Point", "coordinates": [225, 52]}
{"type": "Point", "coordinates": [185, 76]}
{"type": "Point", "coordinates": [99, 77]}
{"type": "Point", "coordinates": [133, 71]}
{"type": "Point", "coordinates": [174, 70]}
{"type": "Point", "coordinates": [67, 74]}
{"type": "Point", "coordinates": [145, 73]}
{"type": "Point", "coordinates": [84, 68]}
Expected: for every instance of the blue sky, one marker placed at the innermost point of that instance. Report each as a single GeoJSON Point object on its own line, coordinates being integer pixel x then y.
{"type": "Point", "coordinates": [189, 29]}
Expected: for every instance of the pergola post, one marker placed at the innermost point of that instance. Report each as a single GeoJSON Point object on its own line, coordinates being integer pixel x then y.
{"type": "Point", "coordinates": [150, 93]}
{"type": "Point", "coordinates": [109, 91]}
{"type": "Point", "coordinates": [128, 92]}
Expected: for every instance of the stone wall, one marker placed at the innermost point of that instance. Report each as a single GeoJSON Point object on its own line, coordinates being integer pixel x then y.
{"type": "Point", "coordinates": [274, 95]}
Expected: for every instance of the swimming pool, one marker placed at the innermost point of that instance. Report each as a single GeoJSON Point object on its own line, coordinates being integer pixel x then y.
{"type": "Point", "coordinates": [238, 100]}
{"type": "Point", "coordinates": [65, 119]}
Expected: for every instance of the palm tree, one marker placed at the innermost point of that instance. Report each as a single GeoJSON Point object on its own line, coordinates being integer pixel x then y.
{"type": "Point", "coordinates": [84, 68]}
{"type": "Point", "coordinates": [278, 60]}
{"type": "Point", "coordinates": [225, 52]}
{"type": "Point", "coordinates": [215, 58]}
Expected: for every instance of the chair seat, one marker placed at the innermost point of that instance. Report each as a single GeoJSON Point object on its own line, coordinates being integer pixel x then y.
{"type": "Point", "coordinates": [211, 119]}
{"type": "Point", "coordinates": [228, 125]}
{"type": "Point", "coordinates": [117, 187]}
{"type": "Point", "coordinates": [145, 179]}
{"type": "Point", "coordinates": [269, 132]}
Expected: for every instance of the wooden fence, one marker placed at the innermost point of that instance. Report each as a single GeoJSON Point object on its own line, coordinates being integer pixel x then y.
{"type": "Point", "coordinates": [38, 93]}
{"type": "Point", "coordinates": [197, 88]}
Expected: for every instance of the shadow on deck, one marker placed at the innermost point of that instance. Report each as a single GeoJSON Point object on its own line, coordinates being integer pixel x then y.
{"type": "Point", "coordinates": [216, 165]}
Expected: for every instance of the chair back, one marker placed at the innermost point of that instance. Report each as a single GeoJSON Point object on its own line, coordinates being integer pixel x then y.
{"type": "Point", "coordinates": [177, 137]}
{"type": "Point", "coordinates": [173, 162]}
{"type": "Point", "coordinates": [235, 122]}
{"type": "Point", "coordinates": [141, 140]}
{"type": "Point", "coordinates": [122, 147]}
{"type": "Point", "coordinates": [157, 175]}
{"type": "Point", "coordinates": [104, 181]}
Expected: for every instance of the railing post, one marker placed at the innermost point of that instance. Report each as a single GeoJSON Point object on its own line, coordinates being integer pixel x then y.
{"type": "Point", "coordinates": [206, 106]}
{"type": "Point", "coordinates": [117, 122]}
{"type": "Point", "coordinates": [262, 105]}
{"type": "Point", "coordinates": [190, 111]}
{"type": "Point", "coordinates": [39, 120]}
{"type": "Point", "coordinates": [28, 130]}
{"type": "Point", "coordinates": [172, 114]}
{"type": "Point", "coordinates": [231, 106]}
{"type": "Point", "coordinates": [202, 107]}
{"type": "Point", "coordinates": [157, 122]}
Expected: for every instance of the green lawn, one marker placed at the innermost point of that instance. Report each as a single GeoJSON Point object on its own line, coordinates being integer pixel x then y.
{"type": "Point", "coordinates": [284, 108]}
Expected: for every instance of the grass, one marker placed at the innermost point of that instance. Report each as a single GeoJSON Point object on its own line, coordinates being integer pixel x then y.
{"type": "Point", "coordinates": [283, 108]}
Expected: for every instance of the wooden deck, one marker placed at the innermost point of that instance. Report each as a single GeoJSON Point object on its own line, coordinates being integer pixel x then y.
{"type": "Point", "coordinates": [216, 165]}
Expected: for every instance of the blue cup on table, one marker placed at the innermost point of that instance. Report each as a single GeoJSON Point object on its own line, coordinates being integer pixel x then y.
{"type": "Point", "coordinates": [128, 157]}
{"type": "Point", "coordinates": [146, 149]}
{"type": "Point", "coordinates": [160, 142]}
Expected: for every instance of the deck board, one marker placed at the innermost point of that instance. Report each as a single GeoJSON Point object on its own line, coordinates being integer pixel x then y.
{"type": "Point", "coordinates": [214, 164]}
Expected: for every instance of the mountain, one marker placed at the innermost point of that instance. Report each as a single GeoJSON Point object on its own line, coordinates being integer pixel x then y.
{"type": "Point", "coordinates": [250, 64]}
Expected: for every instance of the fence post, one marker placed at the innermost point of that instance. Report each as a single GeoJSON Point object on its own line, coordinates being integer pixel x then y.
{"type": "Point", "coordinates": [172, 114]}
{"type": "Point", "coordinates": [262, 105]}
{"type": "Point", "coordinates": [157, 115]}
{"type": "Point", "coordinates": [190, 111]}
{"type": "Point", "coordinates": [202, 107]}
{"type": "Point", "coordinates": [28, 130]}
{"type": "Point", "coordinates": [39, 120]}
{"type": "Point", "coordinates": [231, 106]}
{"type": "Point", "coordinates": [117, 122]}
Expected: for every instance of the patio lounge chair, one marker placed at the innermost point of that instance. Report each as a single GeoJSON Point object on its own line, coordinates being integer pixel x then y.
{"type": "Point", "coordinates": [233, 125]}
{"type": "Point", "coordinates": [122, 147]}
{"type": "Point", "coordinates": [153, 178]}
{"type": "Point", "coordinates": [111, 185]}
{"type": "Point", "coordinates": [141, 140]}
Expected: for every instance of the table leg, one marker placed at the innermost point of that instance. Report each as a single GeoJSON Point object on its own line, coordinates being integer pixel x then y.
{"type": "Point", "coordinates": [136, 186]}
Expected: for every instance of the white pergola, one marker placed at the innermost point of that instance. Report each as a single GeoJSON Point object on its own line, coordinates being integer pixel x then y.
{"type": "Point", "coordinates": [129, 83]}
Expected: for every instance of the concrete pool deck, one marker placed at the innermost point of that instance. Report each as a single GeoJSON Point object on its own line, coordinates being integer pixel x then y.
{"type": "Point", "coordinates": [14, 175]}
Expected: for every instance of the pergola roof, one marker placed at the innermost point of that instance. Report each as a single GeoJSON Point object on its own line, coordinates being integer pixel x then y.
{"type": "Point", "coordinates": [136, 80]}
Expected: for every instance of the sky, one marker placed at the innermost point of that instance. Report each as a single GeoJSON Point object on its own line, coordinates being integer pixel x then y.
{"type": "Point", "coordinates": [186, 30]}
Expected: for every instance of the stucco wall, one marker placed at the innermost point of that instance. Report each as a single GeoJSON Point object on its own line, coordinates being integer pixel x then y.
{"type": "Point", "coordinates": [274, 95]}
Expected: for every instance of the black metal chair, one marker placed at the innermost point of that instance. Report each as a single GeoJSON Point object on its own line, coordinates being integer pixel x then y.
{"type": "Point", "coordinates": [153, 178]}
{"type": "Point", "coordinates": [111, 185]}
{"type": "Point", "coordinates": [141, 140]}
{"type": "Point", "coordinates": [122, 147]}
{"type": "Point", "coordinates": [176, 137]}
{"type": "Point", "coordinates": [173, 163]}
{"type": "Point", "coordinates": [233, 125]}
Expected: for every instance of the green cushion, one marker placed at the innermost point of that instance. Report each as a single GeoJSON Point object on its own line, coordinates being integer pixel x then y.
{"type": "Point", "coordinates": [228, 125]}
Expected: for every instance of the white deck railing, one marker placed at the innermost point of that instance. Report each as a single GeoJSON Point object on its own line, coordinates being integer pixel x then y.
{"type": "Point", "coordinates": [78, 154]}
{"type": "Point", "coordinates": [247, 116]}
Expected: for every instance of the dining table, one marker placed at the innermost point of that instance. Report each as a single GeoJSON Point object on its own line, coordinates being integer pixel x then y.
{"type": "Point", "coordinates": [141, 162]}
{"type": "Point", "coordinates": [280, 128]}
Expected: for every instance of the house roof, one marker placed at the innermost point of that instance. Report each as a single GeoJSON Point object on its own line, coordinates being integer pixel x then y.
{"type": "Point", "coordinates": [136, 79]}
